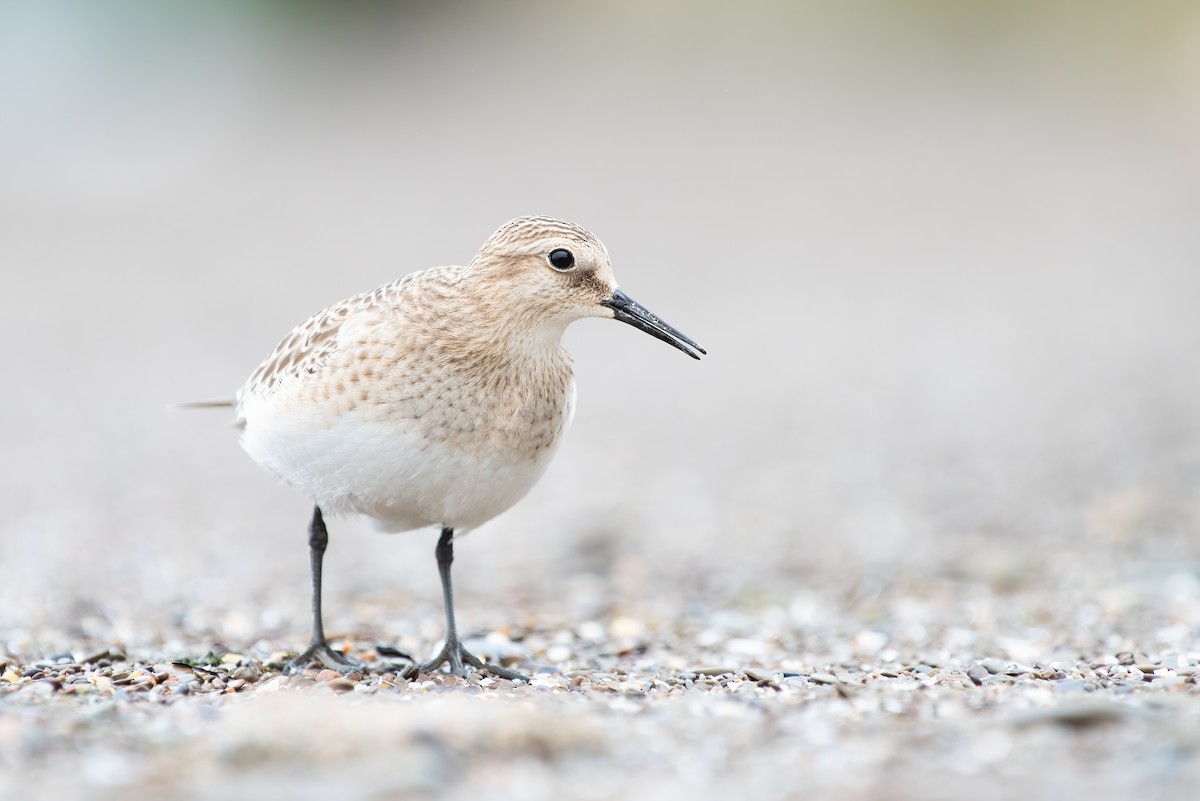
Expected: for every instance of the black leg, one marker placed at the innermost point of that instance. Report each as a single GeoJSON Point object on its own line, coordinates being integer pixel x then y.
{"type": "Point", "coordinates": [445, 558]}
{"type": "Point", "coordinates": [453, 651]}
{"type": "Point", "coordinates": [318, 649]}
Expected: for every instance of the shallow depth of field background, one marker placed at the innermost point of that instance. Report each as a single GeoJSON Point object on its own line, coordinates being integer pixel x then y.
{"type": "Point", "coordinates": [945, 258]}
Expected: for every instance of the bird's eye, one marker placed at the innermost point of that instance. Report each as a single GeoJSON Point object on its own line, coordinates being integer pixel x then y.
{"type": "Point", "coordinates": [561, 259]}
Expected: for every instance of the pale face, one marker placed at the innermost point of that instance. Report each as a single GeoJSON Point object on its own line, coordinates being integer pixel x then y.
{"type": "Point", "coordinates": [553, 272]}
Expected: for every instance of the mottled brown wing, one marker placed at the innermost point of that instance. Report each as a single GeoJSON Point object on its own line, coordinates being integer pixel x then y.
{"type": "Point", "coordinates": [313, 343]}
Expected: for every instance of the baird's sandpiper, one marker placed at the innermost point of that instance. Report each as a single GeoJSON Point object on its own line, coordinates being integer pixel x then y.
{"type": "Point", "coordinates": [437, 399]}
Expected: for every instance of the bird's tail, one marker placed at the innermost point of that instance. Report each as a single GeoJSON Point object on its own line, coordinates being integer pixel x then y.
{"type": "Point", "coordinates": [209, 404]}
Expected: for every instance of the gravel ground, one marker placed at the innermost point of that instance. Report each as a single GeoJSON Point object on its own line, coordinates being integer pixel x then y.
{"type": "Point", "coordinates": [925, 524]}
{"type": "Point", "coordinates": [929, 688]}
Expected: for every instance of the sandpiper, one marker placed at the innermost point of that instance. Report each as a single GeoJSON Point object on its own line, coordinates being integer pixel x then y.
{"type": "Point", "coordinates": [435, 400]}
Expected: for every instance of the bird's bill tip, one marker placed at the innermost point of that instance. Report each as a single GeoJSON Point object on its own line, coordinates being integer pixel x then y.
{"type": "Point", "coordinates": [629, 311]}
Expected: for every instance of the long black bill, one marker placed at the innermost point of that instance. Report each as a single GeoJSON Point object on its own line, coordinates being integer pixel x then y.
{"type": "Point", "coordinates": [627, 310]}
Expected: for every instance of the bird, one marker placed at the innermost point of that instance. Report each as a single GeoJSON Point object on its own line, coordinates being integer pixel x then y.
{"type": "Point", "coordinates": [436, 400]}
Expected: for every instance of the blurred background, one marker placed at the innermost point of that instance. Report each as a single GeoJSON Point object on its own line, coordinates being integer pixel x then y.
{"type": "Point", "coordinates": [944, 257]}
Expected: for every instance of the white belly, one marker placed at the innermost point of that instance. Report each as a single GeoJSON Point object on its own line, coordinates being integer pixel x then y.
{"type": "Point", "coordinates": [388, 471]}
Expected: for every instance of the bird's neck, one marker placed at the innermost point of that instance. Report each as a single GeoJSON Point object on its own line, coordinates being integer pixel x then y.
{"type": "Point", "coordinates": [518, 331]}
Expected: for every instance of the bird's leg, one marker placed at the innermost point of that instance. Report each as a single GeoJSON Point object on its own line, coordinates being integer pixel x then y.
{"type": "Point", "coordinates": [318, 648]}
{"type": "Point", "coordinates": [453, 651]}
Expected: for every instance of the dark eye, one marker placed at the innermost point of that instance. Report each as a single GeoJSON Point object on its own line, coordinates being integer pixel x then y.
{"type": "Point", "coordinates": [561, 259]}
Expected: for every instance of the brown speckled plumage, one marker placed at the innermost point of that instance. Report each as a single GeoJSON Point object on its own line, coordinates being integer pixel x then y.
{"type": "Point", "coordinates": [465, 360]}
{"type": "Point", "coordinates": [437, 399]}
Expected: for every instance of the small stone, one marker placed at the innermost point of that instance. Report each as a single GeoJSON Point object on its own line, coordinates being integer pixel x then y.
{"type": "Point", "coordinates": [760, 676]}
{"type": "Point", "coordinates": [1175, 661]}
{"type": "Point", "coordinates": [591, 630]}
{"type": "Point", "coordinates": [824, 678]}
{"type": "Point", "coordinates": [870, 642]}
{"type": "Point", "coordinates": [625, 627]}
{"type": "Point", "coordinates": [248, 673]}
{"type": "Point", "coordinates": [977, 673]}
{"type": "Point", "coordinates": [43, 688]}
{"type": "Point", "coordinates": [328, 675]}
{"type": "Point", "coordinates": [1014, 669]}
{"type": "Point", "coordinates": [993, 665]}
{"type": "Point", "coordinates": [1076, 715]}
{"type": "Point", "coordinates": [714, 670]}
{"type": "Point", "coordinates": [558, 653]}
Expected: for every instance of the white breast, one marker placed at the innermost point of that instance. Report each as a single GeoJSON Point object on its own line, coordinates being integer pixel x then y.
{"type": "Point", "coordinates": [388, 470]}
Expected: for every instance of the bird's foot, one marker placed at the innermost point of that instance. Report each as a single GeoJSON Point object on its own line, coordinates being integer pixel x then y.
{"type": "Point", "coordinates": [320, 652]}
{"type": "Point", "coordinates": [458, 658]}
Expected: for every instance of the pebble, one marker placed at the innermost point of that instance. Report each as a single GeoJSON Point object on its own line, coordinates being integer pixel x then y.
{"type": "Point", "coordinates": [824, 678]}
{"type": "Point", "coordinates": [43, 689]}
{"type": "Point", "coordinates": [1170, 681]}
{"type": "Point", "coordinates": [101, 655]}
{"type": "Point", "coordinates": [558, 653]}
{"type": "Point", "coordinates": [716, 670]}
{"type": "Point", "coordinates": [1078, 715]}
{"type": "Point", "coordinates": [993, 665]}
{"type": "Point", "coordinates": [1176, 661]}
{"type": "Point", "coordinates": [625, 627]}
{"type": "Point", "coordinates": [760, 676]}
{"type": "Point", "coordinates": [342, 685]}
{"type": "Point", "coordinates": [248, 673]}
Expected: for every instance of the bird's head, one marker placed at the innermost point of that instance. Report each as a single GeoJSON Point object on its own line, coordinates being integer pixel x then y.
{"type": "Point", "coordinates": [550, 272]}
